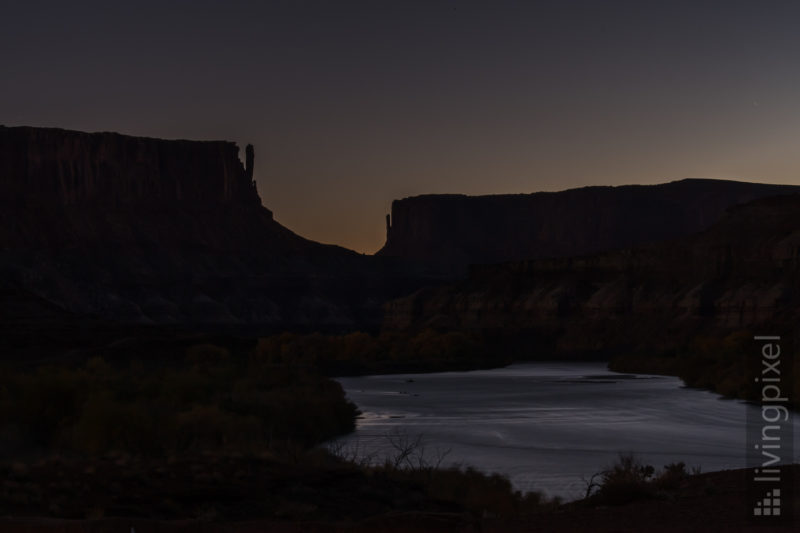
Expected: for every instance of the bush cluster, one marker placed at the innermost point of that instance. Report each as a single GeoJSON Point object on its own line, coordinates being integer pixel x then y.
{"type": "Point", "coordinates": [629, 479]}
{"type": "Point", "coordinates": [361, 353]}
{"type": "Point", "coordinates": [210, 401]}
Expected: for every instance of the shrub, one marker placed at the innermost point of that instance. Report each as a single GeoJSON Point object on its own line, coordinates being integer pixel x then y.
{"type": "Point", "coordinates": [672, 477]}
{"type": "Point", "coordinates": [626, 480]}
{"type": "Point", "coordinates": [629, 479]}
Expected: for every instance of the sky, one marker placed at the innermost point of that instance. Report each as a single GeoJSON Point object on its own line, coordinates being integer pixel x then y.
{"type": "Point", "coordinates": [353, 104]}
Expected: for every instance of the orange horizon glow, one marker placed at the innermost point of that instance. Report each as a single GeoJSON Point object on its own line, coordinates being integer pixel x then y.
{"type": "Point", "coordinates": [353, 105]}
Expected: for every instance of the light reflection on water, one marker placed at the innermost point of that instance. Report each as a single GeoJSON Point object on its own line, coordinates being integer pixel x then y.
{"type": "Point", "coordinates": [548, 425]}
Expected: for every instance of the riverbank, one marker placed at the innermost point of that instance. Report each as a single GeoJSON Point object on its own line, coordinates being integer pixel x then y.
{"type": "Point", "coordinates": [712, 363]}
{"type": "Point", "coordinates": [210, 433]}
{"type": "Point", "coordinates": [224, 438]}
{"type": "Point", "coordinates": [711, 502]}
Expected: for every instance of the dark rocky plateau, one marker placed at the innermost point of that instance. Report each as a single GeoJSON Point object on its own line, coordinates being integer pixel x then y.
{"type": "Point", "coordinates": [47, 167]}
{"type": "Point", "coordinates": [113, 228]}
{"type": "Point", "coordinates": [740, 275]}
{"type": "Point", "coordinates": [108, 228]}
{"type": "Point", "coordinates": [450, 232]}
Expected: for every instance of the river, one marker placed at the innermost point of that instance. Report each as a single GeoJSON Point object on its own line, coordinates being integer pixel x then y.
{"type": "Point", "coordinates": [547, 426]}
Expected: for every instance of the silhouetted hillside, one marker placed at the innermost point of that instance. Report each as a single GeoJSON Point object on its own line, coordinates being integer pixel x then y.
{"type": "Point", "coordinates": [454, 231]}
{"type": "Point", "coordinates": [150, 231]}
{"type": "Point", "coordinates": [739, 273]}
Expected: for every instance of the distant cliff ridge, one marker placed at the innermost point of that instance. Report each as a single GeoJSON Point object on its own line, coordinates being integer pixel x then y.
{"type": "Point", "coordinates": [739, 275]}
{"type": "Point", "coordinates": [55, 166]}
{"type": "Point", "coordinates": [454, 231]}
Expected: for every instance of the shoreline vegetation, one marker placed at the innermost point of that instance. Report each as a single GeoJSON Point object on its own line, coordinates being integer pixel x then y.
{"type": "Point", "coordinates": [215, 433]}
{"type": "Point", "coordinates": [716, 364]}
{"type": "Point", "coordinates": [230, 432]}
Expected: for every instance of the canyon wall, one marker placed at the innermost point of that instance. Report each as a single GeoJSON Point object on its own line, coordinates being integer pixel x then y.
{"type": "Point", "coordinates": [740, 275]}
{"type": "Point", "coordinates": [454, 231]}
{"type": "Point", "coordinates": [47, 166]}
{"type": "Point", "coordinates": [108, 227]}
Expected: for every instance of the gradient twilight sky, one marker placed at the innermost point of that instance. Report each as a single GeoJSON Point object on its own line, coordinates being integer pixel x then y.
{"type": "Point", "coordinates": [353, 104]}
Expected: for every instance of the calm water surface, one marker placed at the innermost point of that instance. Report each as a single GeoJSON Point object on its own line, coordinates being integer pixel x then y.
{"type": "Point", "coordinates": [547, 425]}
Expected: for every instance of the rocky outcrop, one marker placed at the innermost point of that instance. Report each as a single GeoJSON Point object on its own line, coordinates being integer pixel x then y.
{"type": "Point", "coordinates": [451, 232]}
{"type": "Point", "coordinates": [739, 275]}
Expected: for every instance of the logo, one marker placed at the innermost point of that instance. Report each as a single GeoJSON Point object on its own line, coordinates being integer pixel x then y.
{"type": "Point", "coordinates": [770, 505]}
{"type": "Point", "coordinates": [770, 431]}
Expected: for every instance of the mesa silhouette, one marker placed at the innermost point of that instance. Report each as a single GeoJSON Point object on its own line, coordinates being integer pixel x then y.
{"type": "Point", "coordinates": [136, 230]}
{"type": "Point", "coordinates": [452, 231]}
{"type": "Point", "coordinates": [148, 231]}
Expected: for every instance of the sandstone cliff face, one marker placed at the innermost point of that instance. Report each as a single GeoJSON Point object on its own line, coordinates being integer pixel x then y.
{"type": "Point", "coordinates": [44, 166]}
{"type": "Point", "coordinates": [453, 231]}
{"type": "Point", "coordinates": [147, 231]}
{"type": "Point", "coordinates": [740, 275]}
